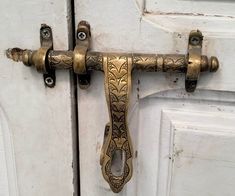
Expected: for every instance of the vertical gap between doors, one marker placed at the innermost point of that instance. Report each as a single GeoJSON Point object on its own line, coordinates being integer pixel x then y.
{"type": "Point", "coordinates": [74, 105]}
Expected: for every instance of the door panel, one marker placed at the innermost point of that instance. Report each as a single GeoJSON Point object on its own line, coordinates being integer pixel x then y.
{"type": "Point", "coordinates": [194, 152]}
{"type": "Point", "coordinates": [179, 139]}
{"type": "Point", "coordinates": [36, 152]}
{"type": "Point", "coordinates": [212, 8]}
{"type": "Point", "coordinates": [214, 18]}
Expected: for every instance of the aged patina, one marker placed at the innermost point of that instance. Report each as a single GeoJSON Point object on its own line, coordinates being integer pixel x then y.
{"type": "Point", "coordinates": [117, 68]}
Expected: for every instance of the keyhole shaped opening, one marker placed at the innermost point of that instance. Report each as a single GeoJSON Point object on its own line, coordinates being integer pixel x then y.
{"type": "Point", "coordinates": [118, 162]}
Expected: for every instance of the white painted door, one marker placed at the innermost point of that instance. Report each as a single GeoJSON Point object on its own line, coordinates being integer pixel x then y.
{"type": "Point", "coordinates": [184, 143]}
{"type": "Point", "coordinates": [36, 152]}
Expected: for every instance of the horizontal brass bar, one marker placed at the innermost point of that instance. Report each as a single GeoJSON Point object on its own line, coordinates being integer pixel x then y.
{"type": "Point", "coordinates": [94, 60]}
{"type": "Point", "coordinates": [143, 62]}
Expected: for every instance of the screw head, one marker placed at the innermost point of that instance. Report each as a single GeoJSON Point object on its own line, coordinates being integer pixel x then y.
{"type": "Point", "coordinates": [49, 81]}
{"type": "Point", "coordinates": [81, 35]}
{"type": "Point", "coordinates": [45, 33]}
{"type": "Point", "coordinates": [194, 40]}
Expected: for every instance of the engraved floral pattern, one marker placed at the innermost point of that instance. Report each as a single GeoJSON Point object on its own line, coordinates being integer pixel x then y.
{"type": "Point", "coordinates": [117, 83]}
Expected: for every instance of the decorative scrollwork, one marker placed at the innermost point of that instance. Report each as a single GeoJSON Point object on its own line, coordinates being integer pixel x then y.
{"type": "Point", "coordinates": [94, 62]}
{"type": "Point", "coordinates": [174, 63]}
{"type": "Point", "coordinates": [156, 63]}
{"type": "Point", "coordinates": [145, 62]}
{"type": "Point", "coordinates": [117, 69]}
{"type": "Point", "coordinates": [59, 60]}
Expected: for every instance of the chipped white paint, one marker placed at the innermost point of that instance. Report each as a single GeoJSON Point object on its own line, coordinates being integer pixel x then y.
{"type": "Point", "coordinates": [36, 119]}
{"type": "Point", "coordinates": [127, 25]}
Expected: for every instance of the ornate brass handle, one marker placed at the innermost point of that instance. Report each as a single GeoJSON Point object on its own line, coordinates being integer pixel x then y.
{"type": "Point", "coordinates": [117, 68]}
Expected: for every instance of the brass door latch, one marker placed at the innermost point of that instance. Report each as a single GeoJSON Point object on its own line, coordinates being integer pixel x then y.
{"type": "Point", "coordinates": [117, 68]}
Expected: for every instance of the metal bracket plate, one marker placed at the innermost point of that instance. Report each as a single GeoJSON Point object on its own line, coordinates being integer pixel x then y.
{"type": "Point", "coordinates": [46, 39]}
{"type": "Point", "coordinates": [79, 54]}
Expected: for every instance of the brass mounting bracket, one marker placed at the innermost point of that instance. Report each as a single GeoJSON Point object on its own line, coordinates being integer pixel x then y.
{"type": "Point", "coordinates": [38, 58]}
{"type": "Point", "coordinates": [117, 68]}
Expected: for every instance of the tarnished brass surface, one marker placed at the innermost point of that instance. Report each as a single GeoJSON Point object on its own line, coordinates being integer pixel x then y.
{"type": "Point", "coordinates": [80, 50]}
{"type": "Point", "coordinates": [60, 59]}
{"type": "Point", "coordinates": [117, 72]}
{"type": "Point", "coordinates": [39, 59]}
{"type": "Point", "coordinates": [40, 56]}
{"type": "Point", "coordinates": [194, 60]}
{"type": "Point", "coordinates": [144, 62]}
{"type": "Point", "coordinates": [94, 61]}
{"type": "Point", "coordinates": [117, 68]}
{"type": "Point", "coordinates": [79, 54]}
